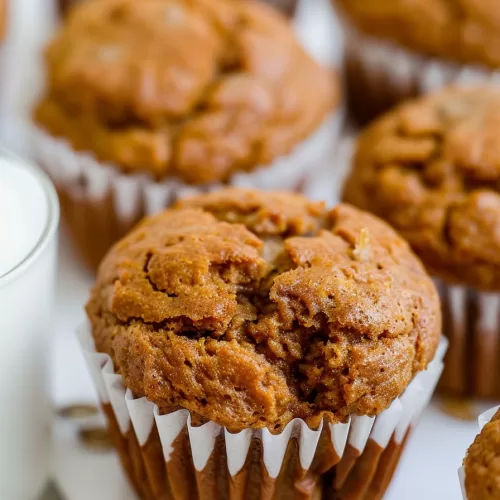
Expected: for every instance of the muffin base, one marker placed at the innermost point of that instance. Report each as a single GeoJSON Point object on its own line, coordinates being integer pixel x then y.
{"type": "Point", "coordinates": [380, 74]}
{"type": "Point", "coordinates": [471, 321]}
{"type": "Point", "coordinates": [165, 457]}
{"type": "Point", "coordinates": [100, 204]}
{"type": "Point", "coordinates": [482, 420]}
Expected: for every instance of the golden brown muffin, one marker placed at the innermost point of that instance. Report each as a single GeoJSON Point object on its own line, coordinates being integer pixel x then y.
{"type": "Point", "coordinates": [194, 89]}
{"type": "Point", "coordinates": [3, 18]}
{"type": "Point", "coordinates": [250, 309]}
{"type": "Point", "coordinates": [397, 50]}
{"type": "Point", "coordinates": [431, 168]}
{"type": "Point", "coordinates": [459, 30]}
{"type": "Point", "coordinates": [482, 463]}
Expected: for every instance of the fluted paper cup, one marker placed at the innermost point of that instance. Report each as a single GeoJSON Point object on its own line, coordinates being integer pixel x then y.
{"type": "Point", "coordinates": [482, 420]}
{"type": "Point", "coordinates": [471, 321]}
{"type": "Point", "coordinates": [168, 457]}
{"type": "Point", "coordinates": [380, 73]}
{"type": "Point", "coordinates": [101, 204]}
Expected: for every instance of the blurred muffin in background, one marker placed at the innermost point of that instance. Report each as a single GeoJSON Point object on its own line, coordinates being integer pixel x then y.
{"type": "Point", "coordinates": [288, 331]}
{"type": "Point", "coordinates": [397, 49]}
{"type": "Point", "coordinates": [481, 468]}
{"type": "Point", "coordinates": [64, 5]}
{"type": "Point", "coordinates": [431, 168]}
{"type": "Point", "coordinates": [3, 18]}
{"type": "Point", "coordinates": [149, 100]}
{"type": "Point", "coordinates": [288, 7]}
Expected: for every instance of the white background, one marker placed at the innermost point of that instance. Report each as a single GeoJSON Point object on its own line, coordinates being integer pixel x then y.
{"type": "Point", "coordinates": [429, 466]}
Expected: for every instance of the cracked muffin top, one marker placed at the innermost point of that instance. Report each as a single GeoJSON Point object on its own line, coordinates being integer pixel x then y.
{"type": "Point", "coordinates": [250, 309]}
{"type": "Point", "coordinates": [194, 89]}
{"type": "Point", "coordinates": [459, 30]}
{"type": "Point", "coordinates": [482, 463]}
{"type": "Point", "coordinates": [431, 168]}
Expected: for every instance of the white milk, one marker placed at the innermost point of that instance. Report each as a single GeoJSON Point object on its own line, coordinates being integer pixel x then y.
{"type": "Point", "coordinates": [29, 216]}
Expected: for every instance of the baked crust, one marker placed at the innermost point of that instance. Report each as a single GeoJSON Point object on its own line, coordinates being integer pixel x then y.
{"type": "Point", "coordinates": [431, 168]}
{"type": "Point", "coordinates": [250, 309]}
{"type": "Point", "coordinates": [482, 463]}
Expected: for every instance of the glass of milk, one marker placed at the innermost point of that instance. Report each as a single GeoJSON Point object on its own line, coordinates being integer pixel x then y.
{"type": "Point", "coordinates": [29, 218]}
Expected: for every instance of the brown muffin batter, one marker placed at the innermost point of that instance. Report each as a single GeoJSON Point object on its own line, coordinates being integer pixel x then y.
{"type": "Point", "coordinates": [251, 309]}
{"type": "Point", "coordinates": [431, 168]}
{"type": "Point", "coordinates": [459, 30]}
{"type": "Point", "coordinates": [482, 463]}
{"type": "Point", "coordinates": [195, 89]}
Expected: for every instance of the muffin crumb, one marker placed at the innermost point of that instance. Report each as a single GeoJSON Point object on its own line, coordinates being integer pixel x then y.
{"type": "Point", "coordinates": [361, 251]}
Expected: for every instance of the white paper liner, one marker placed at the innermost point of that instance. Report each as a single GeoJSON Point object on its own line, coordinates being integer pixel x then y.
{"type": "Point", "coordinates": [87, 178]}
{"type": "Point", "coordinates": [140, 413]}
{"type": "Point", "coordinates": [482, 420]}
{"type": "Point", "coordinates": [406, 69]}
{"type": "Point", "coordinates": [483, 335]}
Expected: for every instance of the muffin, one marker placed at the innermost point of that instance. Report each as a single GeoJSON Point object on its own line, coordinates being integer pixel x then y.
{"type": "Point", "coordinates": [288, 7]}
{"type": "Point", "coordinates": [149, 100]}
{"type": "Point", "coordinates": [431, 168]}
{"type": "Point", "coordinates": [3, 17]}
{"type": "Point", "coordinates": [397, 49]}
{"type": "Point", "coordinates": [262, 346]}
{"type": "Point", "coordinates": [481, 468]}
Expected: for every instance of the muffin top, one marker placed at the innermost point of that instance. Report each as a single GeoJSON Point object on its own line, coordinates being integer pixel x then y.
{"type": "Point", "coordinates": [431, 168]}
{"type": "Point", "coordinates": [251, 309]}
{"type": "Point", "coordinates": [482, 463]}
{"type": "Point", "coordinates": [460, 30]}
{"type": "Point", "coordinates": [195, 89]}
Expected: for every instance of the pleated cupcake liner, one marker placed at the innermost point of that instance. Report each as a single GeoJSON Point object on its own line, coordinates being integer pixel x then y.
{"type": "Point", "coordinates": [101, 204]}
{"type": "Point", "coordinates": [380, 73]}
{"type": "Point", "coordinates": [165, 456]}
{"type": "Point", "coordinates": [482, 420]}
{"type": "Point", "coordinates": [471, 322]}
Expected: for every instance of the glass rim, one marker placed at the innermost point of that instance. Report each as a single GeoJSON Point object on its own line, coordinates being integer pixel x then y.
{"type": "Point", "coordinates": [51, 224]}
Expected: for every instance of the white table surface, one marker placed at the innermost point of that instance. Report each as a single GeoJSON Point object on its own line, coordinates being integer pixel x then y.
{"type": "Point", "coordinates": [435, 451]}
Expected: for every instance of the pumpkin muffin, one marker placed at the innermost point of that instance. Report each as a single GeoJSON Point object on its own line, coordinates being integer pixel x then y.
{"type": "Point", "coordinates": [397, 49]}
{"type": "Point", "coordinates": [148, 100]}
{"type": "Point", "coordinates": [256, 310]}
{"type": "Point", "coordinates": [431, 168]}
{"type": "Point", "coordinates": [3, 18]}
{"type": "Point", "coordinates": [482, 463]}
